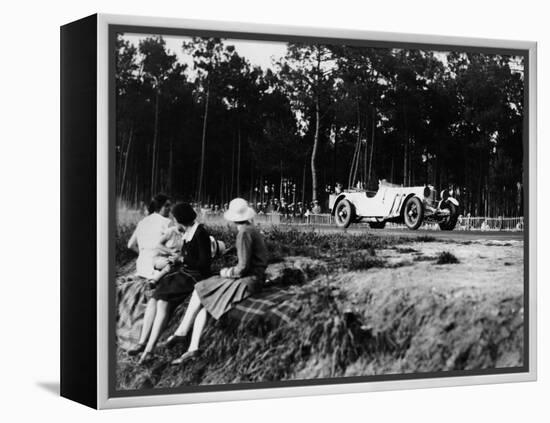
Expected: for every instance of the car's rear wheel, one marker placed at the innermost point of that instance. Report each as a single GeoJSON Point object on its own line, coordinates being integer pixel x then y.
{"type": "Point", "coordinates": [413, 213]}
{"type": "Point", "coordinates": [377, 225]}
{"type": "Point", "coordinates": [449, 222]}
{"type": "Point", "coordinates": [344, 214]}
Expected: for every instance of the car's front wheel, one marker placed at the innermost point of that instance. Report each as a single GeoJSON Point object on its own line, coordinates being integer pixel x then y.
{"type": "Point", "coordinates": [344, 214]}
{"type": "Point", "coordinates": [413, 214]}
{"type": "Point", "coordinates": [449, 222]}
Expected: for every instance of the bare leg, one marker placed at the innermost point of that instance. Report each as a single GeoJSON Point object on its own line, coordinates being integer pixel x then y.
{"type": "Point", "coordinates": [198, 327]}
{"type": "Point", "coordinates": [148, 319]}
{"type": "Point", "coordinates": [192, 309]}
{"type": "Point", "coordinates": [158, 324]}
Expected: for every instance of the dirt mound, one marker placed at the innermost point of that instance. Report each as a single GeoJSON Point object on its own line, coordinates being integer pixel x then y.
{"type": "Point", "coordinates": [343, 331]}
{"type": "Point", "coordinates": [440, 328]}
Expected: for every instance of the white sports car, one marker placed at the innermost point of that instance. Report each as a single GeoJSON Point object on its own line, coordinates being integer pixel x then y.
{"type": "Point", "coordinates": [394, 203]}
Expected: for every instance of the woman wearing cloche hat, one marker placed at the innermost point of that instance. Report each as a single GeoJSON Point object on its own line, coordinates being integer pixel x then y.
{"type": "Point", "coordinates": [218, 294]}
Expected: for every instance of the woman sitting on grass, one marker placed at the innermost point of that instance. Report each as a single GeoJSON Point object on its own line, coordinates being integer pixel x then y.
{"type": "Point", "coordinates": [218, 294]}
{"type": "Point", "coordinates": [149, 231]}
{"type": "Point", "coordinates": [173, 288]}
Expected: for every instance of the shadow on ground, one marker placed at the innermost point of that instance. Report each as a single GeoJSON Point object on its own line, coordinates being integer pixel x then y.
{"type": "Point", "coordinates": [51, 387]}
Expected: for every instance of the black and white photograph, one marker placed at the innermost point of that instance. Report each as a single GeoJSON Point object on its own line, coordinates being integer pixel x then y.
{"type": "Point", "coordinates": [295, 210]}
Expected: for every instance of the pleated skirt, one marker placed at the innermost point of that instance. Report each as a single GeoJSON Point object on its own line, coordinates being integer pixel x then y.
{"type": "Point", "coordinates": [218, 295]}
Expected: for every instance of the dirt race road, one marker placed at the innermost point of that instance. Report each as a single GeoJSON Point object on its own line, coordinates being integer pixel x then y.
{"type": "Point", "coordinates": [443, 235]}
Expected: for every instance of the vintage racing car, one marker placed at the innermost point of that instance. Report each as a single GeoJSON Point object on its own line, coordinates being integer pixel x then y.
{"type": "Point", "coordinates": [394, 203]}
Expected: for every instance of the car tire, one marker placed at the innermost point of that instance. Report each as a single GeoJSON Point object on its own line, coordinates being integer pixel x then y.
{"type": "Point", "coordinates": [413, 213]}
{"type": "Point", "coordinates": [377, 225]}
{"type": "Point", "coordinates": [449, 223]}
{"type": "Point", "coordinates": [344, 214]}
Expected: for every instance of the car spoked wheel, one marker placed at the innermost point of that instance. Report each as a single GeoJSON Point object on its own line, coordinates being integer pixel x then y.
{"type": "Point", "coordinates": [344, 214]}
{"type": "Point", "coordinates": [413, 213]}
{"type": "Point", "coordinates": [449, 222]}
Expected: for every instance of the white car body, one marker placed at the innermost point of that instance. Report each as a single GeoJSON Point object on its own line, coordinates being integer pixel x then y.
{"type": "Point", "coordinates": [387, 204]}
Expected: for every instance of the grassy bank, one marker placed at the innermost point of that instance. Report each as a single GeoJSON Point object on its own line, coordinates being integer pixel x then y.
{"type": "Point", "coordinates": [359, 313]}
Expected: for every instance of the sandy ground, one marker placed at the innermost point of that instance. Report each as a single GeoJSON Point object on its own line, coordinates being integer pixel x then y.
{"type": "Point", "coordinates": [464, 316]}
{"type": "Point", "coordinates": [483, 264]}
{"type": "Point", "coordinates": [493, 268]}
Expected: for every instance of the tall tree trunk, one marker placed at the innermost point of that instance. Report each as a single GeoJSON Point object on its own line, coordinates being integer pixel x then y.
{"type": "Point", "coordinates": [155, 140]}
{"type": "Point", "coordinates": [372, 136]}
{"type": "Point", "coordinates": [317, 125]}
{"type": "Point", "coordinates": [405, 160]}
{"type": "Point", "coordinates": [281, 193]}
{"type": "Point", "coordinates": [304, 184]}
{"type": "Point", "coordinates": [314, 152]}
{"type": "Point", "coordinates": [351, 175]}
{"type": "Point", "coordinates": [261, 187]}
{"type": "Point", "coordinates": [239, 161]}
{"type": "Point", "coordinates": [410, 156]}
{"type": "Point", "coordinates": [357, 160]}
{"type": "Point", "coordinates": [136, 189]}
{"type": "Point", "coordinates": [479, 194]}
{"type": "Point", "coordinates": [365, 154]}
{"type": "Point", "coordinates": [120, 163]}
{"type": "Point", "coordinates": [294, 193]}
{"type": "Point", "coordinates": [356, 151]}
{"type": "Point", "coordinates": [335, 158]}
{"type": "Point", "coordinates": [251, 180]}
{"type": "Point", "coordinates": [392, 179]}
{"type": "Point", "coordinates": [222, 188]}
{"type": "Point", "coordinates": [203, 146]}
{"type": "Point", "coordinates": [169, 181]}
{"type": "Point", "coordinates": [232, 166]}
{"type": "Point", "coordinates": [125, 167]}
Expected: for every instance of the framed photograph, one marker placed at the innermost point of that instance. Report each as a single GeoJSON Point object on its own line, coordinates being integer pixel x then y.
{"type": "Point", "coordinates": [253, 211]}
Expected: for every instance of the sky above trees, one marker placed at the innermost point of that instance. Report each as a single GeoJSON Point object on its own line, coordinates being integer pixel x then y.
{"type": "Point", "coordinates": [258, 53]}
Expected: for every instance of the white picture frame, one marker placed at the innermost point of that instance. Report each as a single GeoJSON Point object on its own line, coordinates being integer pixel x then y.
{"type": "Point", "coordinates": [103, 316]}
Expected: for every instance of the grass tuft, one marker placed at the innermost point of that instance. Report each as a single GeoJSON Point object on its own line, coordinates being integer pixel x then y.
{"type": "Point", "coordinates": [406, 250]}
{"type": "Point", "coordinates": [363, 261]}
{"type": "Point", "coordinates": [447, 258]}
{"type": "Point", "coordinates": [425, 238]}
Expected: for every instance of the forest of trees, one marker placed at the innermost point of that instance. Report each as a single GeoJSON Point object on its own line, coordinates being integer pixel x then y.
{"type": "Point", "coordinates": [217, 127]}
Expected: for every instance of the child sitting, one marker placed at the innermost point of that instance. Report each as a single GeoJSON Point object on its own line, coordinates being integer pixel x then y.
{"type": "Point", "coordinates": [168, 252]}
{"type": "Point", "coordinates": [169, 249]}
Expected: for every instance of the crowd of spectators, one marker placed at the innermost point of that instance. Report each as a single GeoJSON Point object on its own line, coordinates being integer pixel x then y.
{"type": "Point", "coordinates": [273, 206]}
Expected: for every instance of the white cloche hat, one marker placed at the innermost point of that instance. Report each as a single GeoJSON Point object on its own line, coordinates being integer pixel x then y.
{"type": "Point", "coordinates": [239, 211]}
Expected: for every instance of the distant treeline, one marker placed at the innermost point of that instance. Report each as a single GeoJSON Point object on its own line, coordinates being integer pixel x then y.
{"type": "Point", "coordinates": [323, 114]}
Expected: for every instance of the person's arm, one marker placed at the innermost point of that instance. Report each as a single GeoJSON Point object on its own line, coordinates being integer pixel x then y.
{"type": "Point", "coordinates": [164, 271]}
{"type": "Point", "coordinates": [132, 242]}
{"type": "Point", "coordinates": [244, 254]}
{"type": "Point", "coordinates": [161, 247]}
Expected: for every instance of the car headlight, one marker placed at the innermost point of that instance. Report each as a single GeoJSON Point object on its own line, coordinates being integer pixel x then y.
{"type": "Point", "coordinates": [427, 192]}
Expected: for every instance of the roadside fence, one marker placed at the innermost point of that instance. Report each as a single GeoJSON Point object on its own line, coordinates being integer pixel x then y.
{"type": "Point", "coordinates": [464, 223]}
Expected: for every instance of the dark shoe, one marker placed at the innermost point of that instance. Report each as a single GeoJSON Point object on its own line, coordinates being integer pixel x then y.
{"type": "Point", "coordinates": [136, 350]}
{"type": "Point", "coordinates": [174, 340]}
{"type": "Point", "coordinates": [188, 356]}
{"type": "Point", "coordinates": [146, 358]}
